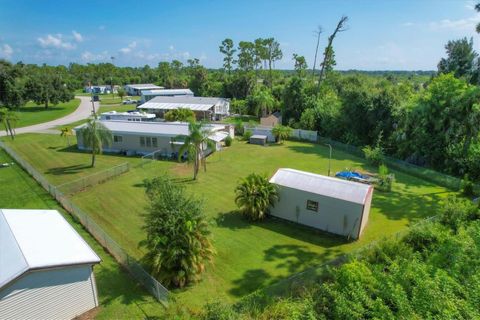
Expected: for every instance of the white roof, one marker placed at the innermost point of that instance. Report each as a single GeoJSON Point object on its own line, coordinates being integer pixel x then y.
{"type": "Point", "coordinates": [327, 186]}
{"type": "Point", "coordinates": [185, 102]}
{"type": "Point", "coordinates": [38, 239]}
{"type": "Point", "coordinates": [171, 129]}
{"type": "Point", "coordinates": [129, 114]}
{"type": "Point", "coordinates": [218, 136]}
{"type": "Point", "coordinates": [258, 136]}
{"type": "Point", "coordinates": [167, 92]}
{"type": "Point", "coordinates": [144, 86]}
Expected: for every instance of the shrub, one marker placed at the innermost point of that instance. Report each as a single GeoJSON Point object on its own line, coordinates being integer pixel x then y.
{"type": "Point", "coordinates": [281, 132]}
{"type": "Point", "coordinates": [385, 180]}
{"type": "Point", "coordinates": [255, 195]}
{"type": "Point", "coordinates": [238, 124]}
{"type": "Point", "coordinates": [457, 211]}
{"type": "Point", "coordinates": [177, 240]}
{"type": "Point", "coordinates": [373, 155]}
{"type": "Point", "coordinates": [247, 135]}
{"type": "Point", "coordinates": [228, 141]}
{"type": "Point", "coordinates": [218, 311]}
{"type": "Point", "coordinates": [467, 186]}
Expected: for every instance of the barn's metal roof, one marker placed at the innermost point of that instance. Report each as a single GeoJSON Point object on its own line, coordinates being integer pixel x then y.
{"type": "Point", "coordinates": [144, 86]}
{"type": "Point", "coordinates": [167, 92]}
{"type": "Point", "coordinates": [327, 186]}
{"type": "Point", "coordinates": [38, 239]}
{"type": "Point", "coordinates": [185, 102]}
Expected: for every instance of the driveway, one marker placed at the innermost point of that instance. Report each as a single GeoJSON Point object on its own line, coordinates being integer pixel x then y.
{"type": "Point", "coordinates": [83, 111]}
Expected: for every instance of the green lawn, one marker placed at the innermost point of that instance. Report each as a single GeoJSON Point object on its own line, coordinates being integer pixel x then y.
{"type": "Point", "coordinates": [120, 297]}
{"type": "Point", "coordinates": [31, 113]}
{"type": "Point", "coordinates": [249, 255]}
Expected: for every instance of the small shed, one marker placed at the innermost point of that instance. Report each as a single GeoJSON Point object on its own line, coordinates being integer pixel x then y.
{"type": "Point", "coordinates": [258, 139]}
{"type": "Point", "coordinates": [325, 203]}
{"type": "Point", "coordinates": [46, 268]}
{"type": "Point", "coordinates": [271, 120]}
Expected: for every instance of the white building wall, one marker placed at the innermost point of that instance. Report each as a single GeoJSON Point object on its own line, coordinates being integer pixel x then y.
{"type": "Point", "coordinates": [62, 293]}
{"type": "Point", "coordinates": [334, 215]}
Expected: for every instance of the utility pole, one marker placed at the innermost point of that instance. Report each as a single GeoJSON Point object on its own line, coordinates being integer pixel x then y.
{"type": "Point", "coordinates": [330, 158]}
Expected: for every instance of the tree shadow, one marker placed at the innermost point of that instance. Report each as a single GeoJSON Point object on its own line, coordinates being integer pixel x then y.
{"type": "Point", "coordinates": [250, 281]}
{"type": "Point", "coordinates": [232, 220]}
{"type": "Point", "coordinates": [67, 170]}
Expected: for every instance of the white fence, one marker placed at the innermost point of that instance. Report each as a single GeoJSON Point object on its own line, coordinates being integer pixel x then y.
{"type": "Point", "coordinates": [296, 133]}
{"type": "Point", "coordinates": [305, 134]}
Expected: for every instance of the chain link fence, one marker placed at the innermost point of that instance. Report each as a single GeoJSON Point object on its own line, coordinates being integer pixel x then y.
{"type": "Point", "coordinates": [123, 258]}
{"type": "Point", "coordinates": [83, 183]}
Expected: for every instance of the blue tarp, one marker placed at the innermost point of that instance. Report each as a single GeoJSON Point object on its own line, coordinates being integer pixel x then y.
{"type": "Point", "coordinates": [350, 175]}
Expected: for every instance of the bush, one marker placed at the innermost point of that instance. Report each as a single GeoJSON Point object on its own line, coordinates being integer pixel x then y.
{"type": "Point", "coordinates": [385, 180]}
{"type": "Point", "coordinates": [218, 311]}
{"type": "Point", "coordinates": [228, 141]}
{"type": "Point", "coordinates": [373, 155]}
{"type": "Point", "coordinates": [457, 211]}
{"type": "Point", "coordinates": [255, 195]}
{"type": "Point", "coordinates": [467, 186]}
{"type": "Point", "coordinates": [247, 135]}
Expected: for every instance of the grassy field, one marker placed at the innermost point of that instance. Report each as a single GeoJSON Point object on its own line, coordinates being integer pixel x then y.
{"type": "Point", "coordinates": [249, 255]}
{"type": "Point", "coordinates": [31, 113]}
{"type": "Point", "coordinates": [120, 297]}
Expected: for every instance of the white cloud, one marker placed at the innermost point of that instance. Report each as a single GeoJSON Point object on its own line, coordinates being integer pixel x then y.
{"type": "Point", "coordinates": [408, 24]}
{"type": "Point", "coordinates": [55, 41]}
{"type": "Point", "coordinates": [171, 47]}
{"type": "Point", "coordinates": [185, 55]}
{"type": "Point", "coordinates": [77, 36]}
{"type": "Point", "coordinates": [6, 51]}
{"type": "Point", "coordinates": [129, 48]}
{"type": "Point", "coordinates": [101, 27]}
{"type": "Point", "coordinates": [470, 5]}
{"type": "Point", "coordinates": [459, 24]}
{"type": "Point", "coordinates": [87, 56]}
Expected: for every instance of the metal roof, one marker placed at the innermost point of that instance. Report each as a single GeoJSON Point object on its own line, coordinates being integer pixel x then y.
{"type": "Point", "coordinates": [143, 86]}
{"type": "Point", "coordinates": [327, 186]}
{"type": "Point", "coordinates": [170, 129]}
{"type": "Point", "coordinates": [186, 102]}
{"type": "Point", "coordinates": [167, 92]}
{"type": "Point", "coordinates": [258, 136]}
{"type": "Point", "coordinates": [38, 239]}
{"type": "Point", "coordinates": [129, 114]}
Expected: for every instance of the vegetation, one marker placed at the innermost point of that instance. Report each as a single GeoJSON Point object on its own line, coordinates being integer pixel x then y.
{"type": "Point", "coordinates": [247, 135]}
{"type": "Point", "coordinates": [255, 195]}
{"type": "Point", "coordinates": [385, 180]}
{"type": "Point", "coordinates": [66, 132]}
{"type": "Point", "coordinates": [95, 135]}
{"type": "Point", "coordinates": [31, 113]}
{"type": "Point", "coordinates": [196, 144]}
{"type": "Point", "coordinates": [177, 240]}
{"type": "Point", "coordinates": [184, 115]}
{"type": "Point", "coordinates": [281, 132]}
{"type": "Point", "coordinates": [8, 119]}
{"type": "Point", "coordinates": [228, 141]}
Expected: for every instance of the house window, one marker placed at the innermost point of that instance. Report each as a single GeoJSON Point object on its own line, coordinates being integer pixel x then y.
{"type": "Point", "coordinates": [117, 139]}
{"type": "Point", "coordinates": [149, 142]}
{"type": "Point", "coordinates": [312, 205]}
{"type": "Point", "coordinates": [142, 141]}
{"type": "Point", "coordinates": [154, 142]}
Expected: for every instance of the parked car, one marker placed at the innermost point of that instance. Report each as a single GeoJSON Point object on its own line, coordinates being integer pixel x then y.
{"type": "Point", "coordinates": [129, 101]}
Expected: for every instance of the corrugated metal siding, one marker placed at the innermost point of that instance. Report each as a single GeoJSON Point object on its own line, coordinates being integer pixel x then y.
{"type": "Point", "coordinates": [50, 294]}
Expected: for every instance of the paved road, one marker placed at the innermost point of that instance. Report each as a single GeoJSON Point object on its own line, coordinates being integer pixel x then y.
{"type": "Point", "coordinates": [83, 111]}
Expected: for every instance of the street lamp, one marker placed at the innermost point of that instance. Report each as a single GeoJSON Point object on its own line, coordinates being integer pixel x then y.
{"type": "Point", "coordinates": [330, 158]}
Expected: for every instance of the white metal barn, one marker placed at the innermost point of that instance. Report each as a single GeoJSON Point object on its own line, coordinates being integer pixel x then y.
{"type": "Point", "coordinates": [46, 268]}
{"type": "Point", "coordinates": [330, 204]}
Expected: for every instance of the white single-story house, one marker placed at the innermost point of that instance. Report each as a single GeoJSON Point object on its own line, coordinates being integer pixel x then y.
{"type": "Point", "coordinates": [271, 120]}
{"type": "Point", "coordinates": [148, 95]}
{"type": "Point", "coordinates": [103, 89]}
{"type": "Point", "coordinates": [147, 137]}
{"type": "Point", "coordinates": [46, 268]}
{"type": "Point", "coordinates": [326, 203]}
{"type": "Point", "coordinates": [127, 116]}
{"type": "Point", "coordinates": [208, 108]}
{"type": "Point", "coordinates": [136, 89]}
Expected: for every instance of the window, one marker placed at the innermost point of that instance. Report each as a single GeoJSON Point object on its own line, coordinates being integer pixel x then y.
{"type": "Point", "coordinates": [154, 142]}
{"type": "Point", "coordinates": [149, 141]}
{"type": "Point", "coordinates": [312, 205]}
{"type": "Point", "coordinates": [107, 117]}
{"type": "Point", "coordinates": [142, 141]}
{"type": "Point", "coordinates": [117, 139]}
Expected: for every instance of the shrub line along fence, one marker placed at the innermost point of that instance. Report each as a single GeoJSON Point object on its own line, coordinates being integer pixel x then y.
{"type": "Point", "coordinates": [125, 260]}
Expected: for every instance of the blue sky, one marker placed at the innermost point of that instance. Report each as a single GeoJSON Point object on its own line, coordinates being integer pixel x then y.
{"type": "Point", "coordinates": [382, 35]}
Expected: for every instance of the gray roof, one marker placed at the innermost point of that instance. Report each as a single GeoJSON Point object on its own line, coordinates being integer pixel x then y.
{"type": "Point", "coordinates": [38, 239]}
{"type": "Point", "coordinates": [258, 136]}
{"type": "Point", "coordinates": [144, 86]}
{"type": "Point", "coordinates": [327, 186]}
{"type": "Point", "coordinates": [167, 92]}
{"type": "Point", "coordinates": [170, 129]}
{"type": "Point", "coordinates": [187, 102]}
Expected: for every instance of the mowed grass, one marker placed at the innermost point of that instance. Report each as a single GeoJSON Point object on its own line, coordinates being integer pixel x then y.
{"type": "Point", "coordinates": [31, 113]}
{"type": "Point", "coordinates": [249, 255]}
{"type": "Point", "coordinates": [120, 297]}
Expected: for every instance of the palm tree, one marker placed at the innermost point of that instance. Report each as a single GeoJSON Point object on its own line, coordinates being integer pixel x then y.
{"type": "Point", "coordinates": [281, 132]}
{"type": "Point", "coordinates": [66, 132]}
{"type": "Point", "coordinates": [95, 135]}
{"type": "Point", "coordinates": [264, 102]}
{"type": "Point", "coordinates": [255, 195]}
{"type": "Point", "coordinates": [195, 144]}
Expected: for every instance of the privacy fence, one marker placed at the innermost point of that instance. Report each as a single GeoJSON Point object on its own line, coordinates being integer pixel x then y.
{"type": "Point", "coordinates": [127, 261]}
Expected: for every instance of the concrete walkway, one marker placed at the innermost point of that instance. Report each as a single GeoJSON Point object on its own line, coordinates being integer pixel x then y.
{"type": "Point", "coordinates": [83, 111]}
